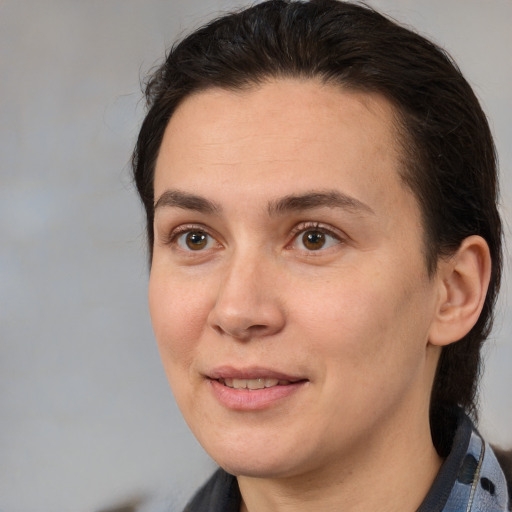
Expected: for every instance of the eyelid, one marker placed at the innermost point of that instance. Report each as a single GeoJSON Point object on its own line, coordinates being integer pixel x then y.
{"type": "Point", "coordinates": [301, 227]}
{"type": "Point", "coordinates": [172, 236]}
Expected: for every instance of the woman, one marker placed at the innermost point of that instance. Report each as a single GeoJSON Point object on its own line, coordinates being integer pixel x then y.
{"type": "Point", "coordinates": [325, 251]}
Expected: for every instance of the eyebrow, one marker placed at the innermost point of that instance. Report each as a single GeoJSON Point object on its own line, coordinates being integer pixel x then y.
{"type": "Point", "coordinates": [293, 202]}
{"type": "Point", "coordinates": [310, 201]}
{"type": "Point", "coordinates": [179, 199]}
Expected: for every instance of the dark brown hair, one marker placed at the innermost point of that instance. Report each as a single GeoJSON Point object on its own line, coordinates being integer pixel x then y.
{"type": "Point", "coordinates": [449, 158]}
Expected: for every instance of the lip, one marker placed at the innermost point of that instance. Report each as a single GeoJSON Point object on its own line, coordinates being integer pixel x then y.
{"type": "Point", "coordinates": [257, 399]}
{"type": "Point", "coordinates": [253, 372]}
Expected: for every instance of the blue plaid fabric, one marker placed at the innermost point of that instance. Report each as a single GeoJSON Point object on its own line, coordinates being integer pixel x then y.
{"type": "Point", "coordinates": [480, 485]}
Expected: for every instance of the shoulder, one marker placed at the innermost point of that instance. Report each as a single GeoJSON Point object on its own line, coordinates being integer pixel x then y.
{"type": "Point", "coordinates": [470, 478]}
{"type": "Point", "coordinates": [488, 485]}
{"type": "Point", "coordinates": [480, 484]}
{"type": "Point", "coordinates": [505, 459]}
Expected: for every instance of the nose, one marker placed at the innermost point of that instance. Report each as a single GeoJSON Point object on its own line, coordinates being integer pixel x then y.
{"type": "Point", "coordinates": [247, 304]}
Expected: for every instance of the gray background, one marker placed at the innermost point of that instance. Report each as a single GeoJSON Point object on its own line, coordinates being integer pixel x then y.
{"type": "Point", "coordinates": [86, 416]}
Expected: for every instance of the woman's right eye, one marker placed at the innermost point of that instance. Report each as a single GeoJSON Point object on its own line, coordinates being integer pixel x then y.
{"type": "Point", "coordinates": [195, 240]}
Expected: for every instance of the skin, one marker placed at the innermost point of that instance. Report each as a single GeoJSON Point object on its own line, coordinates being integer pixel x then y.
{"type": "Point", "coordinates": [357, 319]}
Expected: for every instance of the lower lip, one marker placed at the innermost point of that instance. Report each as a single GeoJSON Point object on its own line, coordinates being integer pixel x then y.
{"type": "Point", "coordinates": [252, 400]}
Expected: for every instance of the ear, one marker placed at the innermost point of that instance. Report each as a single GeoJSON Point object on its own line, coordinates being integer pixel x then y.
{"type": "Point", "coordinates": [463, 280]}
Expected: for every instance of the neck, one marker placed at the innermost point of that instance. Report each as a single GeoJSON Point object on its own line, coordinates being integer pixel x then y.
{"type": "Point", "coordinates": [385, 476]}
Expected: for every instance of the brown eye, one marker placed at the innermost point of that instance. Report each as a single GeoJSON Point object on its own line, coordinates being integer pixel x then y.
{"type": "Point", "coordinates": [313, 240]}
{"type": "Point", "coordinates": [196, 240]}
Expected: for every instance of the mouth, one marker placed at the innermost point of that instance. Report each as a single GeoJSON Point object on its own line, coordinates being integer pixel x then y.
{"type": "Point", "coordinates": [253, 388]}
{"type": "Point", "coordinates": [247, 392]}
{"type": "Point", "coordinates": [254, 384]}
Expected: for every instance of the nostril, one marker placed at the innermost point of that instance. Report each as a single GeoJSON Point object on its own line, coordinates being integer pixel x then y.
{"type": "Point", "coordinates": [241, 332]}
{"type": "Point", "coordinates": [259, 327]}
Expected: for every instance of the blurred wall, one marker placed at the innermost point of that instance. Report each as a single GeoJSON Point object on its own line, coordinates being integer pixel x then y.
{"type": "Point", "coordinates": [86, 416]}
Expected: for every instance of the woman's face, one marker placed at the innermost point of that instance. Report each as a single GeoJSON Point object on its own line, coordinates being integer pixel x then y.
{"type": "Point", "coordinates": [288, 289]}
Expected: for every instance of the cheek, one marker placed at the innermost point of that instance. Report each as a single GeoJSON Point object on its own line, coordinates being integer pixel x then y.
{"type": "Point", "coordinates": [178, 315]}
{"type": "Point", "coordinates": [344, 305]}
{"type": "Point", "coordinates": [367, 319]}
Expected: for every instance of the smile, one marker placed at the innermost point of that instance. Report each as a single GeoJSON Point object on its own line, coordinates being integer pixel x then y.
{"type": "Point", "coordinates": [253, 384]}
{"type": "Point", "coordinates": [252, 389]}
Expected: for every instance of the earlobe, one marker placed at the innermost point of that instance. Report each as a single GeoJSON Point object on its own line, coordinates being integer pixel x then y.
{"type": "Point", "coordinates": [463, 280]}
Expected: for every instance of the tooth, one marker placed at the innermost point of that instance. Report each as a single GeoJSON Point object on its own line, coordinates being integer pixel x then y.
{"type": "Point", "coordinates": [255, 383]}
{"type": "Point", "coordinates": [240, 383]}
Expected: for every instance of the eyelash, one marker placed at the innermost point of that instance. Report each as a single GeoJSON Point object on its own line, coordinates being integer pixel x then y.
{"type": "Point", "coordinates": [304, 227]}
{"type": "Point", "coordinates": [301, 228]}
{"type": "Point", "coordinates": [175, 234]}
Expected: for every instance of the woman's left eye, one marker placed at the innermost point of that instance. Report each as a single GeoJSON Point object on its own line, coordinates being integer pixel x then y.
{"type": "Point", "coordinates": [195, 240]}
{"type": "Point", "coordinates": [315, 239]}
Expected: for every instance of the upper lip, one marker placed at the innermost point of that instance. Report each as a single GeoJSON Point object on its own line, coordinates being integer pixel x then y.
{"type": "Point", "coordinates": [253, 372]}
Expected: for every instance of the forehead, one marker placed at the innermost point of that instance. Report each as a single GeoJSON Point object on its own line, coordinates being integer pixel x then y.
{"type": "Point", "coordinates": [303, 106]}
{"type": "Point", "coordinates": [291, 133]}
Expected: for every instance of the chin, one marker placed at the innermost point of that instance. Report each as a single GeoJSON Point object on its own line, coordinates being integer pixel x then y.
{"type": "Point", "coordinates": [257, 469]}
{"type": "Point", "coordinates": [257, 461]}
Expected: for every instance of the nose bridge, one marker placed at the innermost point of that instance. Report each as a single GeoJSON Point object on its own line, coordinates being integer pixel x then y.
{"type": "Point", "coordinates": [247, 302]}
